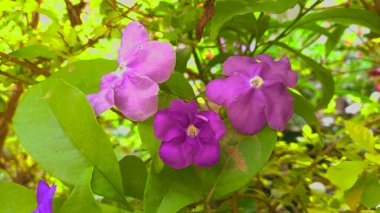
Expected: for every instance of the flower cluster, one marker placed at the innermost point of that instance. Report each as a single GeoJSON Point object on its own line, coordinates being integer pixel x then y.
{"type": "Point", "coordinates": [254, 93]}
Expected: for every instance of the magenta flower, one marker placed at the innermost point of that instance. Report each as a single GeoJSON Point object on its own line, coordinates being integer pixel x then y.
{"type": "Point", "coordinates": [45, 196]}
{"type": "Point", "coordinates": [133, 88]}
{"type": "Point", "coordinates": [255, 92]}
{"type": "Point", "coordinates": [188, 136]}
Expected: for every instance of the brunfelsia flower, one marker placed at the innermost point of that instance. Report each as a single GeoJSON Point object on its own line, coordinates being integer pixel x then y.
{"type": "Point", "coordinates": [188, 136]}
{"type": "Point", "coordinates": [255, 92]}
{"type": "Point", "coordinates": [133, 88]}
{"type": "Point", "coordinates": [45, 196]}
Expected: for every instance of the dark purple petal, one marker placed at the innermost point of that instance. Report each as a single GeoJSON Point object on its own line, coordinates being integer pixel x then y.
{"type": "Point", "coordinates": [153, 59]}
{"type": "Point", "coordinates": [279, 71]}
{"type": "Point", "coordinates": [134, 35]}
{"type": "Point", "coordinates": [179, 105]}
{"type": "Point", "coordinates": [166, 126]}
{"type": "Point", "coordinates": [45, 196]}
{"type": "Point", "coordinates": [238, 64]}
{"type": "Point", "coordinates": [215, 123]}
{"type": "Point", "coordinates": [101, 101]}
{"type": "Point", "coordinates": [226, 90]}
{"type": "Point", "coordinates": [208, 155]}
{"type": "Point", "coordinates": [178, 153]}
{"type": "Point", "coordinates": [279, 106]}
{"type": "Point", "coordinates": [247, 113]}
{"type": "Point", "coordinates": [136, 96]}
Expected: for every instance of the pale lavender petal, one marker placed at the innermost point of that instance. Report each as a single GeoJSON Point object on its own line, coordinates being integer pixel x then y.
{"type": "Point", "coordinates": [279, 106]}
{"type": "Point", "coordinates": [101, 101]}
{"type": "Point", "coordinates": [165, 126]}
{"type": "Point", "coordinates": [215, 123]}
{"type": "Point", "coordinates": [153, 59]}
{"type": "Point", "coordinates": [279, 71]}
{"type": "Point", "coordinates": [178, 152]}
{"type": "Point", "coordinates": [109, 80]}
{"type": "Point", "coordinates": [134, 35]}
{"type": "Point", "coordinates": [208, 155]}
{"type": "Point", "coordinates": [247, 113]}
{"type": "Point", "coordinates": [226, 90]}
{"type": "Point", "coordinates": [238, 64]}
{"type": "Point", "coordinates": [136, 97]}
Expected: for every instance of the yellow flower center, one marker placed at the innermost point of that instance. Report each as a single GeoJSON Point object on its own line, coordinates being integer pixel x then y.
{"type": "Point", "coordinates": [192, 131]}
{"type": "Point", "coordinates": [257, 82]}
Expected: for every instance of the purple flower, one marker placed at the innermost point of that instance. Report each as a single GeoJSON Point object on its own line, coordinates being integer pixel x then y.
{"type": "Point", "coordinates": [255, 92]}
{"type": "Point", "coordinates": [133, 88]}
{"type": "Point", "coordinates": [188, 136]}
{"type": "Point", "coordinates": [45, 196]}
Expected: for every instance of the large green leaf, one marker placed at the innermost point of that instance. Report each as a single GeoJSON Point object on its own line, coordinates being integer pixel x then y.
{"type": "Point", "coordinates": [321, 73]}
{"type": "Point", "coordinates": [346, 173]}
{"type": "Point", "coordinates": [16, 198]}
{"type": "Point", "coordinates": [360, 135]}
{"type": "Point", "coordinates": [179, 86]}
{"type": "Point", "coordinates": [55, 118]}
{"type": "Point", "coordinates": [225, 10]}
{"type": "Point", "coordinates": [81, 198]}
{"type": "Point", "coordinates": [86, 75]}
{"type": "Point", "coordinates": [345, 16]}
{"type": "Point", "coordinates": [134, 174]}
{"type": "Point", "coordinates": [33, 51]}
{"type": "Point", "coordinates": [371, 193]}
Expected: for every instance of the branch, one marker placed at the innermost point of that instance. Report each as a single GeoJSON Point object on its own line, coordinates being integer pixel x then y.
{"type": "Point", "coordinates": [14, 77]}
{"type": "Point", "coordinates": [207, 14]}
{"type": "Point", "coordinates": [36, 70]}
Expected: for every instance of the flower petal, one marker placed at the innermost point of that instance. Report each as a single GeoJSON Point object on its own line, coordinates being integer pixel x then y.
{"type": "Point", "coordinates": [279, 106]}
{"type": "Point", "coordinates": [247, 113]}
{"type": "Point", "coordinates": [136, 96]}
{"type": "Point", "coordinates": [153, 59]}
{"type": "Point", "coordinates": [134, 35]}
{"type": "Point", "coordinates": [238, 64]}
{"type": "Point", "coordinates": [45, 196]}
{"type": "Point", "coordinates": [165, 126]}
{"type": "Point", "coordinates": [208, 155]}
{"type": "Point", "coordinates": [178, 152]}
{"type": "Point", "coordinates": [215, 123]}
{"type": "Point", "coordinates": [279, 71]}
{"type": "Point", "coordinates": [101, 101]}
{"type": "Point", "coordinates": [226, 90]}
{"type": "Point", "coordinates": [42, 190]}
{"type": "Point", "coordinates": [179, 105]}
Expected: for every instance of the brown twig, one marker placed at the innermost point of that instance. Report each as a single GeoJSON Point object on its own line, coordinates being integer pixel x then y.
{"type": "Point", "coordinates": [208, 13]}
{"type": "Point", "coordinates": [36, 70]}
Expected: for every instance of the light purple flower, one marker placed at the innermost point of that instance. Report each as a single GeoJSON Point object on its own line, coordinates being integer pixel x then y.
{"type": "Point", "coordinates": [188, 136]}
{"type": "Point", "coordinates": [255, 92]}
{"type": "Point", "coordinates": [133, 88]}
{"type": "Point", "coordinates": [45, 196]}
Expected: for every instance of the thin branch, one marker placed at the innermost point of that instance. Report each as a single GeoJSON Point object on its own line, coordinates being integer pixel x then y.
{"type": "Point", "coordinates": [14, 77]}
{"type": "Point", "coordinates": [36, 70]}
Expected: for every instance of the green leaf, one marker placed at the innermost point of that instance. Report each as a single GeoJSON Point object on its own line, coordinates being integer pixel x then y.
{"type": "Point", "coordinates": [179, 86]}
{"type": "Point", "coordinates": [3, 105]}
{"type": "Point", "coordinates": [225, 10]}
{"type": "Point", "coordinates": [86, 75]}
{"type": "Point", "coordinates": [321, 73]}
{"type": "Point", "coordinates": [371, 193]}
{"type": "Point", "coordinates": [171, 190]}
{"type": "Point", "coordinates": [16, 198]}
{"type": "Point", "coordinates": [182, 56]}
{"type": "Point", "coordinates": [303, 108]}
{"type": "Point", "coordinates": [334, 39]}
{"type": "Point", "coordinates": [54, 118]}
{"type": "Point", "coordinates": [81, 198]}
{"type": "Point", "coordinates": [134, 182]}
{"type": "Point", "coordinates": [33, 51]}
{"type": "Point", "coordinates": [360, 135]}
{"type": "Point", "coordinates": [345, 174]}
{"type": "Point", "coordinates": [112, 209]}
{"type": "Point", "coordinates": [242, 157]}
{"type": "Point", "coordinates": [345, 16]}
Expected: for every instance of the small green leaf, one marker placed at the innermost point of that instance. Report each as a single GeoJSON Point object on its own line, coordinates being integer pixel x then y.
{"type": "Point", "coordinates": [179, 86]}
{"type": "Point", "coordinates": [16, 198]}
{"type": "Point", "coordinates": [3, 105]}
{"type": "Point", "coordinates": [33, 51]}
{"type": "Point", "coordinates": [304, 109]}
{"type": "Point", "coordinates": [86, 75]}
{"type": "Point", "coordinates": [360, 135]}
{"type": "Point", "coordinates": [54, 118]}
{"type": "Point", "coordinates": [371, 193]}
{"type": "Point", "coordinates": [334, 39]}
{"type": "Point", "coordinates": [182, 56]}
{"type": "Point", "coordinates": [81, 198]}
{"type": "Point", "coordinates": [134, 175]}
{"type": "Point", "coordinates": [345, 174]}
